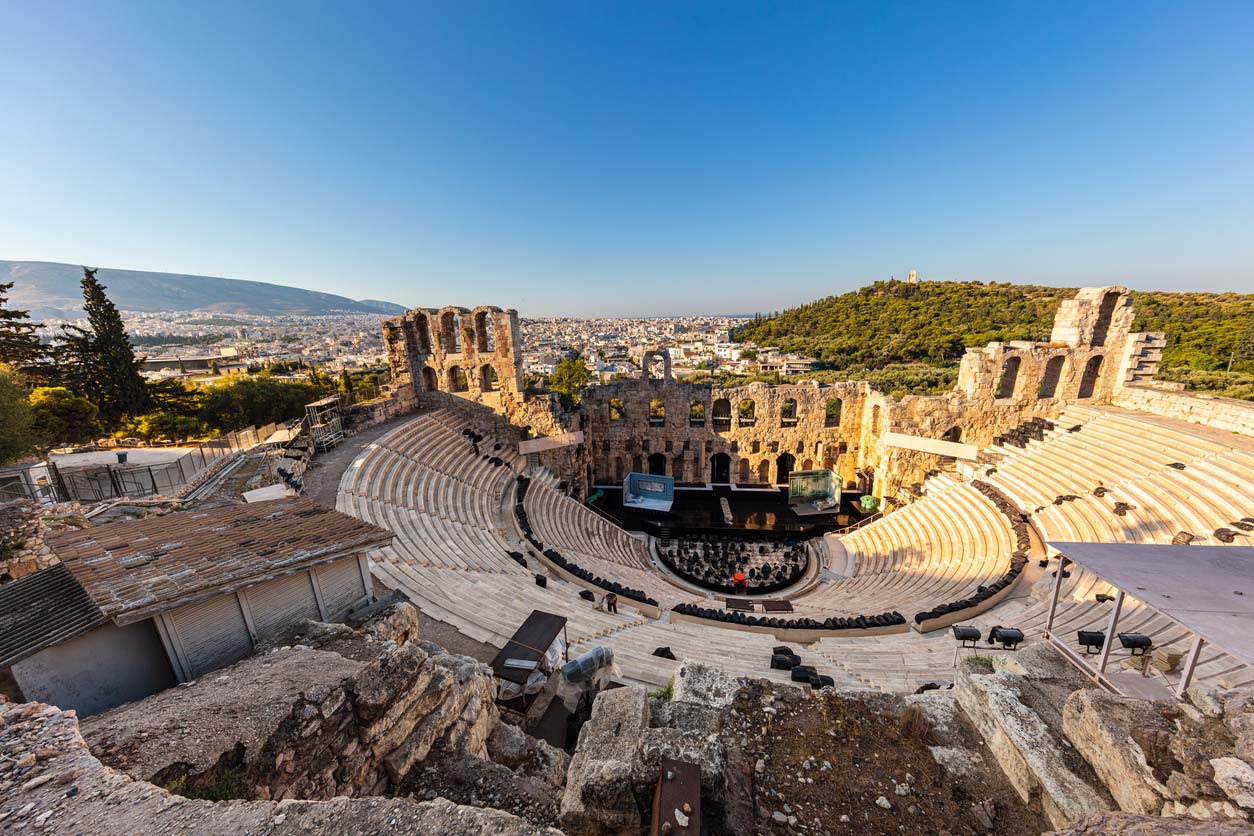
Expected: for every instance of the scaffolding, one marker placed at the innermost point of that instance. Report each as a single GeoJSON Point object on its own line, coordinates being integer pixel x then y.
{"type": "Point", "coordinates": [326, 426]}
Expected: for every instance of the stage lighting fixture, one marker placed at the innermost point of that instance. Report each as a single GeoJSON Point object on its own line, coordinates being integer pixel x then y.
{"type": "Point", "coordinates": [1138, 643]}
{"type": "Point", "coordinates": [1091, 640]}
{"type": "Point", "coordinates": [1008, 637]}
{"type": "Point", "coordinates": [967, 635]}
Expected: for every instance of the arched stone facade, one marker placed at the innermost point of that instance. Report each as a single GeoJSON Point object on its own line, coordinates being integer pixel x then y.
{"type": "Point", "coordinates": [441, 349]}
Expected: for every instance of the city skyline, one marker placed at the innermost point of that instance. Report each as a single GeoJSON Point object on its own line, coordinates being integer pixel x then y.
{"type": "Point", "coordinates": [589, 160]}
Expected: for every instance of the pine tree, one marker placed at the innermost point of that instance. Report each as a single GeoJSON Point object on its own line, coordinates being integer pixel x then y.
{"type": "Point", "coordinates": [101, 360]}
{"type": "Point", "coordinates": [20, 346]}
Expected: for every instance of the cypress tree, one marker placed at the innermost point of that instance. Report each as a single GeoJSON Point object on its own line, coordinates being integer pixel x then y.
{"type": "Point", "coordinates": [102, 359]}
{"type": "Point", "coordinates": [20, 346]}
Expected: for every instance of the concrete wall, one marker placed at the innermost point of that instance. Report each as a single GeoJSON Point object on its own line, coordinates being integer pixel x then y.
{"type": "Point", "coordinates": [99, 670]}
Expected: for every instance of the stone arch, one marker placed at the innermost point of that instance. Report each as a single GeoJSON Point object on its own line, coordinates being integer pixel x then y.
{"type": "Point", "coordinates": [720, 468]}
{"type": "Point", "coordinates": [637, 464]}
{"type": "Point", "coordinates": [1051, 376]}
{"type": "Point", "coordinates": [954, 433]}
{"type": "Point", "coordinates": [657, 464]}
{"type": "Point", "coordinates": [487, 378]}
{"type": "Point", "coordinates": [648, 364]}
{"type": "Point", "coordinates": [618, 412]}
{"type": "Point", "coordinates": [807, 465]}
{"type": "Point", "coordinates": [677, 468]}
{"type": "Point", "coordinates": [450, 332]}
{"type": "Point", "coordinates": [696, 413]}
{"type": "Point", "coordinates": [430, 381]}
{"type": "Point", "coordinates": [788, 413]}
{"type": "Point", "coordinates": [1092, 372]}
{"type": "Point", "coordinates": [457, 379]}
{"type": "Point", "coordinates": [423, 328]}
{"type": "Point", "coordinates": [747, 412]}
{"type": "Point", "coordinates": [764, 471]}
{"type": "Point", "coordinates": [657, 413]}
{"type": "Point", "coordinates": [1104, 315]}
{"type": "Point", "coordinates": [485, 334]}
{"type": "Point", "coordinates": [746, 472]}
{"type": "Point", "coordinates": [784, 465]}
{"type": "Point", "coordinates": [721, 412]}
{"type": "Point", "coordinates": [832, 410]}
{"type": "Point", "coordinates": [875, 419]}
{"type": "Point", "coordinates": [1009, 375]}
{"type": "Point", "coordinates": [619, 475]}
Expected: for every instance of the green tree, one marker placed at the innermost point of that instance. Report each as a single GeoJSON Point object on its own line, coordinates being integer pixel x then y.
{"type": "Point", "coordinates": [175, 396]}
{"type": "Point", "coordinates": [20, 346]}
{"type": "Point", "coordinates": [17, 435]}
{"type": "Point", "coordinates": [346, 381]}
{"type": "Point", "coordinates": [102, 361]}
{"type": "Point", "coordinates": [255, 401]}
{"type": "Point", "coordinates": [61, 417]}
{"type": "Point", "coordinates": [569, 380]}
{"type": "Point", "coordinates": [161, 426]}
{"type": "Point", "coordinates": [214, 369]}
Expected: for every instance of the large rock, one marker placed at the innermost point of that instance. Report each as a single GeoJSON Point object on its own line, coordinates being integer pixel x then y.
{"type": "Point", "coordinates": [600, 797]}
{"type": "Point", "coordinates": [1022, 744]}
{"type": "Point", "coordinates": [1100, 726]}
{"type": "Point", "coordinates": [703, 684]}
{"type": "Point", "coordinates": [1130, 824]}
{"type": "Point", "coordinates": [528, 756]}
{"type": "Point", "coordinates": [1236, 778]}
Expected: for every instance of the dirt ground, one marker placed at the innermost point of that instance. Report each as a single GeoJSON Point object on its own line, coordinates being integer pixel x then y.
{"type": "Point", "coordinates": [831, 764]}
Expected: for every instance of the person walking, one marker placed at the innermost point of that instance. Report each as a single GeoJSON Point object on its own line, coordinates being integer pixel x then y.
{"type": "Point", "coordinates": [611, 602]}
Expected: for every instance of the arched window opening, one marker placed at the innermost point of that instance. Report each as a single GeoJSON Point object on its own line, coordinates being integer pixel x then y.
{"type": "Point", "coordinates": [788, 413]}
{"type": "Point", "coordinates": [424, 333]}
{"type": "Point", "coordinates": [1092, 371]}
{"type": "Point", "coordinates": [831, 417]}
{"type": "Point", "coordinates": [677, 468]}
{"type": "Point", "coordinates": [430, 382]}
{"type": "Point", "coordinates": [619, 475]}
{"type": "Point", "coordinates": [954, 434]}
{"type": "Point", "coordinates": [657, 464]}
{"type": "Point", "coordinates": [1104, 314]}
{"type": "Point", "coordinates": [637, 464]}
{"type": "Point", "coordinates": [618, 412]}
{"type": "Point", "coordinates": [720, 468]}
{"type": "Point", "coordinates": [485, 335]}
{"type": "Point", "coordinates": [487, 378]}
{"type": "Point", "coordinates": [457, 380]}
{"type": "Point", "coordinates": [807, 465]}
{"type": "Point", "coordinates": [696, 413]}
{"type": "Point", "coordinates": [764, 472]}
{"type": "Point", "coordinates": [450, 337]}
{"type": "Point", "coordinates": [748, 413]}
{"type": "Point", "coordinates": [783, 466]}
{"type": "Point", "coordinates": [722, 414]}
{"type": "Point", "coordinates": [655, 366]}
{"type": "Point", "coordinates": [1049, 381]}
{"type": "Point", "coordinates": [746, 473]}
{"type": "Point", "coordinates": [657, 413]}
{"type": "Point", "coordinates": [1009, 375]}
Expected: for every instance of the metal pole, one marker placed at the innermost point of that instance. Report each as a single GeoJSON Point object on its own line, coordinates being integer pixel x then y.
{"type": "Point", "coordinates": [1190, 663]}
{"type": "Point", "coordinates": [1110, 632]}
{"type": "Point", "coordinates": [1053, 598]}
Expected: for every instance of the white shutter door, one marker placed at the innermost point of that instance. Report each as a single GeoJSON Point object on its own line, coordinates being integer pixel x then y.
{"type": "Point", "coordinates": [212, 633]}
{"type": "Point", "coordinates": [282, 602]}
{"type": "Point", "coordinates": [341, 587]}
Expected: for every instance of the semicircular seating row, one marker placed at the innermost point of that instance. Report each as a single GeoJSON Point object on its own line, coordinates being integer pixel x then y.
{"type": "Point", "coordinates": [1131, 456]}
{"type": "Point", "coordinates": [452, 511]}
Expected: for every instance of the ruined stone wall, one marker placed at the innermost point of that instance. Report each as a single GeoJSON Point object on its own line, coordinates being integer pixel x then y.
{"type": "Point", "coordinates": [624, 429]}
{"type": "Point", "coordinates": [1217, 413]}
{"type": "Point", "coordinates": [24, 526]}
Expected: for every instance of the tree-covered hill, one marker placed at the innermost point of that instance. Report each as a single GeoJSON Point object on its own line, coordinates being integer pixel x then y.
{"type": "Point", "coordinates": [895, 322]}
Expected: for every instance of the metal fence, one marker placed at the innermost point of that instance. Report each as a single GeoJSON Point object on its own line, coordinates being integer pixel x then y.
{"type": "Point", "coordinates": [46, 482]}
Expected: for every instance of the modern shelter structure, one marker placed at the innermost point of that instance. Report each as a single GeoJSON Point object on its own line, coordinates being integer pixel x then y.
{"type": "Point", "coordinates": [1207, 590]}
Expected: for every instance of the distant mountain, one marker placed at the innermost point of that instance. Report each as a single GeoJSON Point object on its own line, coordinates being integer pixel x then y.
{"type": "Point", "coordinates": [51, 291]}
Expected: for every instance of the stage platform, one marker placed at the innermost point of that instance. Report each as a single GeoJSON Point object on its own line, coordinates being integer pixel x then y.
{"type": "Point", "coordinates": [756, 511]}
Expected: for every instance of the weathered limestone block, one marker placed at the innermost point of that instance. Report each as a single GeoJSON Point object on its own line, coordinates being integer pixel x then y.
{"type": "Point", "coordinates": [1100, 725]}
{"type": "Point", "coordinates": [528, 756]}
{"type": "Point", "coordinates": [375, 688]}
{"type": "Point", "coordinates": [1236, 778]}
{"type": "Point", "coordinates": [599, 797]}
{"type": "Point", "coordinates": [1023, 746]}
{"type": "Point", "coordinates": [703, 684]}
{"type": "Point", "coordinates": [1130, 824]}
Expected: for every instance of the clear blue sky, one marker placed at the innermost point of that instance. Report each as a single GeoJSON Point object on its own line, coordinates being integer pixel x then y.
{"type": "Point", "coordinates": [635, 158]}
